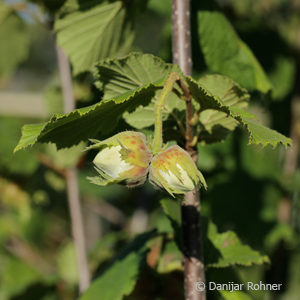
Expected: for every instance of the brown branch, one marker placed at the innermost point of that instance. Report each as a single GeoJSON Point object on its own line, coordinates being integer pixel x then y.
{"type": "Point", "coordinates": [190, 208]}
{"type": "Point", "coordinates": [72, 181]}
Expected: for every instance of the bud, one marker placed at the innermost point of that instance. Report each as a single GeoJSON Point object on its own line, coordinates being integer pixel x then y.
{"type": "Point", "coordinates": [175, 171]}
{"type": "Point", "coordinates": [123, 158]}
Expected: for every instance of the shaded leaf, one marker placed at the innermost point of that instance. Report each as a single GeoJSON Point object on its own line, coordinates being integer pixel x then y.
{"type": "Point", "coordinates": [258, 134]}
{"type": "Point", "coordinates": [91, 30]}
{"type": "Point", "coordinates": [231, 250]}
{"type": "Point", "coordinates": [221, 249]}
{"type": "Point", "coordinates": [226, 53]}
{"type": "Point", "coordinates": [119, 279]}
{"type": "Point", "coordinates": [218, 124]}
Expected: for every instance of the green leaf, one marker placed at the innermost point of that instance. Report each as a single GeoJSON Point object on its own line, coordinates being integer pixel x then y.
{"type": "Point", "coordinates": [118, 76]}
{"type": "Point", "coordinates": [227, 54]}
{"type": "Point", "coordinates": [91, 30]}
{"type": "Point", "coordinates": [258, 134]}
{"type": "Point", "coordinates": [130, 82]}
{"type": "Point", "coordinates": [282, 77]}
{"type": "Point", "coordinates": [15, 39]}
{"type": "Point", "coordinates": [171, 208]}
{"type": "Point", "coordinates": [12, 271]}
{"type": "Point", "coordinates": [119, 279]}
{"type": "Point", "coordinates": [69, 129]}
{"type": "Point", "coordinates": [218, 124]}
{"type": "Point", "coordinates": [221, 249]}
{"type": "Point", "coordinates": [230, 250]}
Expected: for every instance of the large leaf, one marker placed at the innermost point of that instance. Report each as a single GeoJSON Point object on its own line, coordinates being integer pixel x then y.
{"type": "Point", "coordinates": [117, 76]}
{"type": "Point", "coordinates": [226, 53]}
{"type": "Point", "coordinates": [132, 82]}
{"type": "Point", "coordinates": [119, 279]}
{"type": "Point", "coordinates": [91, 30]}
{"type": "Point", "coordinates": [221, 249]}
{"type": "Point", "coordinates": [14, 37]}
{"type": "Point", "coordinates": [258, 134]}
{"type": "Point", "coordinates": [69, 129]}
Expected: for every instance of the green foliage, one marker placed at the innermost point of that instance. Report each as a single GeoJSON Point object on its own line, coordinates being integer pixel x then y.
{"type": "Point", "coordinates": [218, 124]}
{"type": "Point", "coordinates": [282, 77]}
{"type": "Point", "coordinates": [231, 250]}
{"type": "Point", "coordinates": [12, 271]}
{"type": "Point", "coordinates": [119, 76]}
{"type": "Point", "coordinates": [258, 134]}
{"type": "Point", "coordinates": [133, 81]}
{"type": "Point", "coordinates": [226, 53]}
{"type": "Point", "coordinates": [86, 122]}
{"type": "Point", "coordinates": [89, 31]}
{"type": "Point", "coordinates": [16, 36]}
{"type": "Point", "coordinates": [221, 249]}
{"type": "Point", "coordinates": [118, 280]}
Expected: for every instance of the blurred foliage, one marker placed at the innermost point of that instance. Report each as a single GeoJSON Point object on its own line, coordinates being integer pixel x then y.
{"type": "Point", "coordinates": [12, 26]}
{"type": "Point", "coordinates": [248, 193]}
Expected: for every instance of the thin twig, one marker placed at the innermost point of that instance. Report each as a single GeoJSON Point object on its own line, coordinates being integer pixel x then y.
{"type": "Point", "coordinates": [72, 180]}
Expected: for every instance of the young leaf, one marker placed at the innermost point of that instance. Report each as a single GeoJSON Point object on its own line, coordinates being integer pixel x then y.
{"type": "Point", "coordinates": [89, 31]}
{"type": "Point", "coordinates": [226, 53]}
{"type": "Point", "coordinates": [119, 279]}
